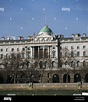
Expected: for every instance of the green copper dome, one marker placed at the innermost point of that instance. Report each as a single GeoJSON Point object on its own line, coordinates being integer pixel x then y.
{"type": "Point", "coordinates": [47, 30]}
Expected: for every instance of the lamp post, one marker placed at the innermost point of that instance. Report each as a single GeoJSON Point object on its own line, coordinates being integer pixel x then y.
{"type": "Point", "coordinates": [32, 79]}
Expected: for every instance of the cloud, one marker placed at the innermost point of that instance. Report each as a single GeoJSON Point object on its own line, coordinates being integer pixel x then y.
{"type": "Point", "coordinates": [65, 9]}
{"type": "Point", "coordinates": [2, 9]}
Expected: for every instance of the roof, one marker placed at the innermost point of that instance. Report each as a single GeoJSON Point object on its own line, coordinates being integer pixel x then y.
{"type": "Point", "coordinates": [47, 30]}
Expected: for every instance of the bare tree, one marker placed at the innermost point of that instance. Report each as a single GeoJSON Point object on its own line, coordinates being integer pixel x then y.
{"type": "Point", "coordinates": [12, 64]}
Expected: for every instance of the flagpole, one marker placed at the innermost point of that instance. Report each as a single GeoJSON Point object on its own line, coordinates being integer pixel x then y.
{"type": "Point", "coordinates": [45, 15]}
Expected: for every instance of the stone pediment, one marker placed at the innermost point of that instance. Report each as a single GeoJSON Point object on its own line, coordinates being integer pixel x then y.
{"type": "Point", "coordinates": [43, 37]}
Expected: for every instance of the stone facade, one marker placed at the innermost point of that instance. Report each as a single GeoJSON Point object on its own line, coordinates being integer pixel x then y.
{"type": "Point", "coordinates": [47, 57]}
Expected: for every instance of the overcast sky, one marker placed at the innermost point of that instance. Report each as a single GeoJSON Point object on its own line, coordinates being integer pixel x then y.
{"type": "Point", "coordinates": [26, 17]}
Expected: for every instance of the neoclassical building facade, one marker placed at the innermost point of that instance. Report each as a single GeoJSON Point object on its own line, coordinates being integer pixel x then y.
{"type": "Point", "coordinates": [44, 57]}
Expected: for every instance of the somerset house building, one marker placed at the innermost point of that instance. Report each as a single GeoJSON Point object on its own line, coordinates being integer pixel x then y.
{"type": "Point", "coordinates": [44, 58]}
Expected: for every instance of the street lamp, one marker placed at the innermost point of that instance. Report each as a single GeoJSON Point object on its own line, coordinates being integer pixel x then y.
{"type": "Point", "coordinates": [32, 79]}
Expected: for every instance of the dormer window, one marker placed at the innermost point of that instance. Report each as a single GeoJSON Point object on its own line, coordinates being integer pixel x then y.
{"type": "Point", "coordinates": [84, 35]}
{"type": "Point", "coordinates": [3, 38]}
{"type": "Point", "coordinates": [77, 35]}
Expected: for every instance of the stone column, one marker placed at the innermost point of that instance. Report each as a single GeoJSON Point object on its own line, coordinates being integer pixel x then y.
{"type": "Point", "coordinates": [71, 79]}
{"type": "Point", "coordinates": [32, 51]}
{"type": "Point", "coordinates": [49, 51]}
{"type": "Point", "coordinates": [38, 51]}
{"type": "Point", "coordinates": [43, 51]}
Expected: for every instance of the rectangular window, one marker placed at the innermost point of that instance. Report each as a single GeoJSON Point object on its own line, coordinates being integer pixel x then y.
{"type": "Point", "coordinates": [6, 49]}
{"type": "Point", "coordinates": [77, 47]}
{"type": "Point", "coordinates": [72, 47]}
{"type": "Point", "coordinates": [84, 47]}
{"type": "Point", "coordinates": [17, 49]}
{"type": "Point", "coordinates": [1, 56]}
{"type": "Point", "coordinates": [1, 50]}
{"type": "Point", "coordinates": [66, 47]}
{"type": "Point", "coordinates": [72, 54]}
{"type": "Point", "coordinates": [78, 54]}
{"type": "Point", "coordinates": [12, 49]}
{"type": "Point", "coordinates": [84, 53]}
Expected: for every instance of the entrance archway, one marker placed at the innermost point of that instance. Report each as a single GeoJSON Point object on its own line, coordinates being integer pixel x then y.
{"type": "Point", "coordinates": [55, 78]}
{"type": "Point", "coordinates": [77, 77]}
{"type": "Point", "coordinates": [66, 78]}
{"type": "Point", "coordinates": [86, 77]}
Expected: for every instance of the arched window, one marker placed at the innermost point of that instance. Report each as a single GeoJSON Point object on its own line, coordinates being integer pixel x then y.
{"type": "Point", "coordinates": [86, 77]}
{"type": "Point", "coordinates": [66, 78]}
{"type": "Point", "coordinates": [77, 77]}
{"type": "Point", "coordinates": [55, 78]}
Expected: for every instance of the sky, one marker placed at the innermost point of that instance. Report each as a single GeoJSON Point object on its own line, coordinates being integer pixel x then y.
{"type": "Point", "coordinates": [26, 17]}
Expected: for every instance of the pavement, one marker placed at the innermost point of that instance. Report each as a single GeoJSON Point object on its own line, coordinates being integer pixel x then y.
{"type": "Point", "coordinates": [55, 86]}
